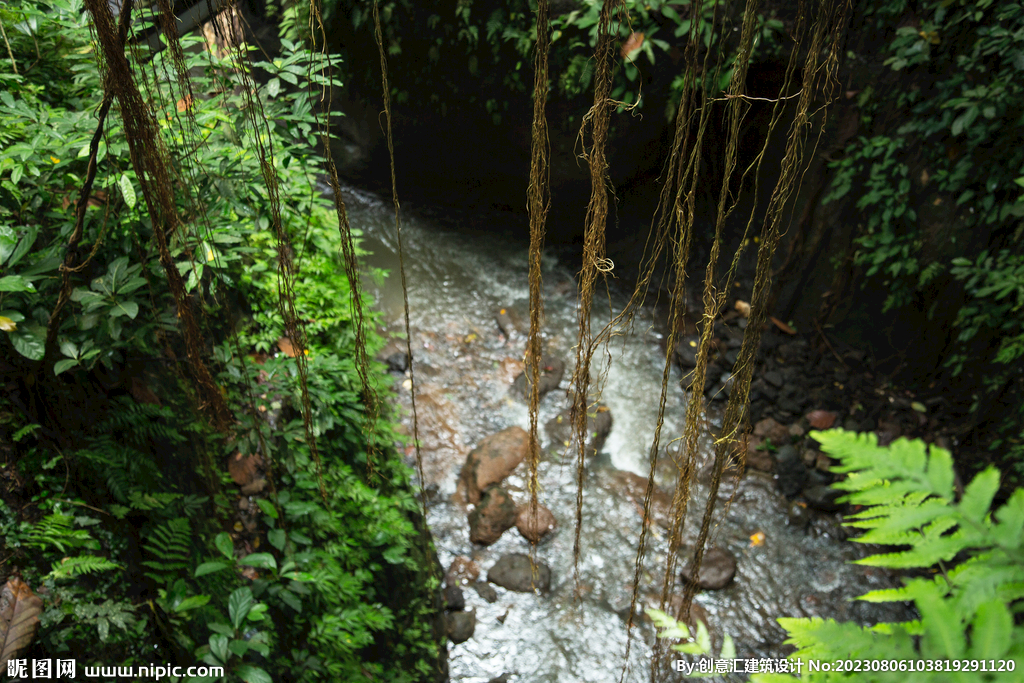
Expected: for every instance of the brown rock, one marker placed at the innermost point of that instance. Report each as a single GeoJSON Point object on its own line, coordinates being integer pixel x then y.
{"type": "Point", "coordinates": [821, 419]}
{"type": "Point", "coordinates": [635, 488]}
{"type": "Point", "coordinates": [796, 430]}
{"type": "Point", "coordinates": [243, 468]}
{"type": "Point", "coordinates": [769, 429]}
{"type": "Point", "coordinates": [491, 461]}
{"type": "Point", "coordinates": [495, 514]}
{"type": "Point", "coordinates": [535, 529]}
{"type": "Point", "coordinates": [823, 463]}
{"type": "Point", "coordinates": [716, 570]}
{"type": "Point", "coordinates": [462, 569]}
{"type": "Point", "coordinates": [760, 460]}
{"type": "Point", "coordinates": [551, 371]}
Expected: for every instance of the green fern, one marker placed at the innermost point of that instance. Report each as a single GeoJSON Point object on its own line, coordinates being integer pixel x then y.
{"type": "Point", "coordinates": [910, 505]}
{"type": "Point", "coordinates": [80, 565]}
{"type": "Point", "coordinates": [56, 530]}
{"type": "Point", "coordinates": [169, 550]}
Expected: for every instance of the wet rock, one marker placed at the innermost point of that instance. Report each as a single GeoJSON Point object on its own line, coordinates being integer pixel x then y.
{"type": "Point", "coordinates": [462, 569]}
{"type": "Point", "coordinates": [485, 591]}
{"type": "Point", "coordinates": [503, 678]}
{"type": "Point", "coordinates": [773, 378]}
{"type": "Point", "coordinates": [716, 570]}
{"type": "Point", "coordinates": [534, 529]}
{"type": "Point", "coordinates": [686, 352]}
{"type": "Point", "coordinates": [495, 514]}
{"type": "Point", "coordinates": [772, 430]}
{"type": "Point", "coordinates": [798, 515]}
{"type": "Point", "coordinates": [760, 460]}
{"type": "Point", "coordinates": [599, 423]}
{"type": "Point", "coordinates": [821, 419]}
{"type": "Point", "coordinates": [791, 473]}
{"type": "Point", "coordinates": [822, 498]}
{"type": "Point", "coordinates": [505, 322]}
{"type": "Point", "coordinates": [796, 430]}
{"type": "Point", "coordinates": [635, 488]}
{"type": "Point", "coordinates": [491, 461]}
{"type": "Point", "coordinates": [461, 626]}
{"type": "Point", "coordinates": [888, 431]}
{"type": "Point", "coordinates": [398, 362]}
{"type": "Point", "coordinates": [551, 370]}
{"type": "Point", "coordinates": [823, 463]}
{"type": "Point", "coordinates": [513, 572]}
{"type": "Point", "coordinates": [454, 600]}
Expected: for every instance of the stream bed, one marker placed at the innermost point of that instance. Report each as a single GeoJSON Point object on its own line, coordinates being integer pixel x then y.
{"type": "Point", "coordinates": [463, 270]}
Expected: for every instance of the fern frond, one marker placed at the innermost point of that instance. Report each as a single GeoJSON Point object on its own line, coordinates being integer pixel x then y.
{"type": "Point", "coordinates": [168, 550]}
{"type": "Point", "coordinates": [81, 564]}
{"type": "Point", "coordinates": [56, 530]}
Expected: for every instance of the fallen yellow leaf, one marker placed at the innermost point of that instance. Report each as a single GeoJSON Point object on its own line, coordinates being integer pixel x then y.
{"type": "Point", "coordinates": [7, 325]}
{"type": "Point", "coordinates": [757, 539]}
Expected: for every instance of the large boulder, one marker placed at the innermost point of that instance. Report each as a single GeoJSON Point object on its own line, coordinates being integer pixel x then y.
{"type": "Point", "coordinates": [551, 370]}
{"type": "Point", "coordinates": [599, 423]}
{"type": "Point", "coordinates": [495, 514]}
{"type": "Point", "coordinates": [535, 528]}
{"type": "Point", "coordinates": [491, 461]}
{"type": "Point", "coordinates": [717, 569]}
{"type": "Point", "coordinates": [513, 572]}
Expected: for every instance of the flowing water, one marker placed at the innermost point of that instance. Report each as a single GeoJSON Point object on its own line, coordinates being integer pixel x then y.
{"type": "Point", "coordinates": [462, 271]}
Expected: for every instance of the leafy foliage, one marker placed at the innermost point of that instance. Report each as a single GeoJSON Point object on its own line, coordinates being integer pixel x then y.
{"type": "Point", "coordinates": [937, 180]}
{"type": "Point", "coordinates": [330, 583]}
{"type": "Point", "coordinates": [966, 608]}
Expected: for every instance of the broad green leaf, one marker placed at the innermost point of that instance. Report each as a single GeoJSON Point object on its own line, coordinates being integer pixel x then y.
{"type": "Point", "coordinates": [8, 241]}
{"type": "Point", "coordinates": [219, 646]}
{"type": "Point", "coordinates": [128, 308]}
{"type": "Point", "coordinates": [64, 364]}
{"type": "Point", "coordinates": [277, 538]}
{"type": "Point", "coordinates": [209, 568]}
{"type": "Point", "coordinates": [267, 507]}
{"type": "Point", "coordinates": [192, 602]}
{"type": "Point", "coordinates": [69, 349]}
{"type": "Point", "coordinates": [29, 341]}
{"type": "Point", "coordinates": [127, 191]}
{"type": "Point", "coordinates": [260, 561]}
{"type": "Point", "coordinates": [225, 545]}
{"type": "Point", "coordinates": [239, 603]}
{"type": "Point", "coordinates": [253, 674]}
{"type": "Point", "coordinates": [15, 283]}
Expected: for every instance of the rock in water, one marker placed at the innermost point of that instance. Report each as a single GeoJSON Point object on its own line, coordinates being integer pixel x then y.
{"type": "Point", "coordinates": [454, 600]}
{"type": "Point", "coordinates": [716, 570]}
{"type": "Point", "coordinates": [551, 371]}
{"type": "Point", "coordinates": [492, 460]}
{"type": "Point", "coordinates": [495, 514]}
{"type": "Point", "coordinates": [599, 423]}
{"type": "Point", "coordinates": [535, 529]}
{"type": "Point", "coordinates": [514, 573]}
{"type": "Point", "coordinates": [792, 475]}
{"type": "Point", "coordinates": [485, 591]}
{"type": "Point", "coordinates": [461, 626]}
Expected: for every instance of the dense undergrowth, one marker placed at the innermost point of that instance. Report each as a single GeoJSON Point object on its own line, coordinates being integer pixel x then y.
{"type": "Point", "coordinates": [147, 535]}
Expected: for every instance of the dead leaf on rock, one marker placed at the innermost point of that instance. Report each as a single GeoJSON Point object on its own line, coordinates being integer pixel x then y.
{"type": "Point", "coordinates": [821, 419]}
{"type": "Point", "coordinates": [19, 618]}
{"type": "Point", "coordinates": [743, 307]}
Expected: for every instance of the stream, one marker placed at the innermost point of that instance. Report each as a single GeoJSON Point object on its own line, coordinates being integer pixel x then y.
{"type": "Point", "coordinates": [461, 271]}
